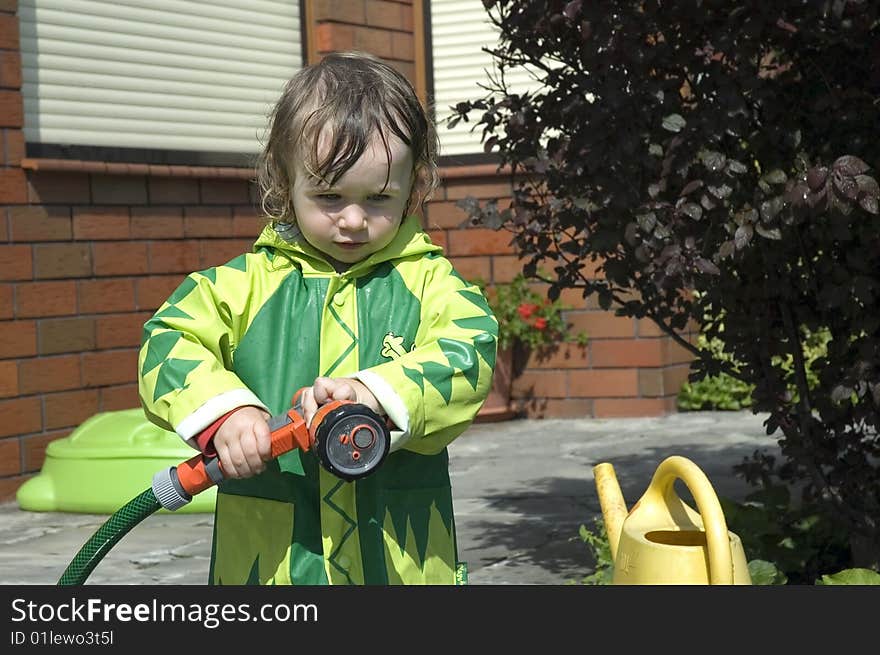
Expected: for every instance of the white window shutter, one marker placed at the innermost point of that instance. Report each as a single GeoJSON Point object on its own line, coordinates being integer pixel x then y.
{"type": "Point", "coordinates": [459, 31]}
{"type": "Point", "coordinates": [186, 75]}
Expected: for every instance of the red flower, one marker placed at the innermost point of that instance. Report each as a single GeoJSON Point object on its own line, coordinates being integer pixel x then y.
{"type": "Point", "coordinates": [526, 309]}
{"type": "Point", "coordinates": [540, 323]}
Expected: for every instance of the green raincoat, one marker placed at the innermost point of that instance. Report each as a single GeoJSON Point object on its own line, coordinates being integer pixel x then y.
{"type": "Point", "coordinates": [255, 330]}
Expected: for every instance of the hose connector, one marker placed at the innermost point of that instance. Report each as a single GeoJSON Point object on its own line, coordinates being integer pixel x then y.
{"type": "Point", "coordinates": [168, 491]}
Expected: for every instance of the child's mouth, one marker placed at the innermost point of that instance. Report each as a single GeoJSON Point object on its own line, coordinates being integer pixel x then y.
{"type": "Point", "coordinates": [350, 245]}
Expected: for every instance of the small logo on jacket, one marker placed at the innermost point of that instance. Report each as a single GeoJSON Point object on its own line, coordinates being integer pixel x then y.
{"type": "Point", "coordinates": [392, 346]}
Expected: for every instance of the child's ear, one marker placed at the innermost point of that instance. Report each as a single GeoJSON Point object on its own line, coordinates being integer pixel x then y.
{"type": "Point", "coordinates": [424, 183]}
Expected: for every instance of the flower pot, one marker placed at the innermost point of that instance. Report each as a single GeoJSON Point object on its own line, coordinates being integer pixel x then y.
{"type": "Point", "coordinates": [497, 406]}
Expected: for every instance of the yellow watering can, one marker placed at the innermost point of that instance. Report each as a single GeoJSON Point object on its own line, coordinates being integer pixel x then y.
{"type": "Point", "coordinates": [662, 540]}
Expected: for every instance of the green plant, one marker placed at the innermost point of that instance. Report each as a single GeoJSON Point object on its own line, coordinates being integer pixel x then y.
{"type": "Point", "coordinates": [528, 318]}
{"type": "Point", "coordinates": [688, 187]}
{"type": "Point", "coordinates": [597, 541]}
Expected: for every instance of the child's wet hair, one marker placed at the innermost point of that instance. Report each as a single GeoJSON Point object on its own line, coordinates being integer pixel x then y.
{"type": "Point", "coordinates": [342, 103]}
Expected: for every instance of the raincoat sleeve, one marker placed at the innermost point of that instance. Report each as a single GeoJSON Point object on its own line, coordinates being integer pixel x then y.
{"type": "Point", "coordinates": [184, 379]}
{"type": "Point", "coordinates": [433, 392]}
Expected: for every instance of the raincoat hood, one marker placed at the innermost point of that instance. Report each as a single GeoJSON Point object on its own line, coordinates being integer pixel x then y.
{"type": "Point", "coordinates": [410, 240]}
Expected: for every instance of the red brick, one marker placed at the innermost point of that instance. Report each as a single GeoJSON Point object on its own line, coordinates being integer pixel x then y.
{"type": "Point", "coordinates": [651, 382]}
{"type": "Point", "coordinates": [373, 40]}
{"type": "Point", "coordinates": [7, 301]}
{"type": "Point", "coordinates": [34, 448]}
{"type": "Point", "coordinates": [456, 190]}
{"type": "Point", "coordinates": [11, 109]}
{"type": "Point", "coordinates": [173, 190]}
{"type": "Point", "coordinates": [479, 241]}
{"type": "Point", "coordinates": [109, 367]}
{"type": "Point", "coordinates": [438, 237]}
{"type": "Point", "coordinates": [33, 299]}
{"type": "Point", "coordinates": [18, 339]}
{"type": "Point", "coordinates": [8, 379]}
{"type": "Point", "coordinates": [674, 378]}
{"type": "Point", "coordinates": [10, 69]}
{"type": "Point", "coordinates": [676, 354]}
{"type": "Point", "coordinates": [218, 252]}
{"type": "Point", "coordinates": [69, 408]}
{"type": "Point", "coordinates": [629, 407]}
{"type": "Point", "coordinates": [174, 256]}
{"type": "Point", "coordinates": [332, 36]}
{"type": "Point", "coordinates": [13, 186]}
{"type": "Point", "coordinates": [9, 32]}
{"type": "Point", "coordinates": [210, 222]}
{"type": "Point", "coordinates": [601, 325]}
{"type": "Point", "coordinates": [224, 192]}
{"type": "Point", "coordinates": [10, 456]}
{"type": "Point", "coordinates": [119, 189]}
{"type": "Point", "coordinates": [247, 222]}
{"type": "Point", "coordinates": [403, 46]}
{"type": "Point", "coordinates": [353, 12]}
{"type": "Point", "coordinates": [9, 487]}
{"type": "Point", "coordinates": [627, 353]}
{"type": "Point", "coordinates": [120, 330]}
{"type": "Point", "coordinates": [38, 223]}
{"type": "Point", "coordinates": [119, 397]}
{"type": "Point", "coordinates": [120, 258]}
{"type": "Point", "coordinates": [49, 374]}
{"type": "Point", "coordinates": [565, 355]}
{"type": "Point", "coordinates": [156, 222]}
{"type": "Point", "coordinates": [20, 416]}
{"type": "Point", "coordinates": [14, 147]}
{"type": "Point", "coordinates": [645, 327]}
{"type": "Point", "coordinates": [557, 407]}
{"type": "Point", "coordinates": [384, 14]}
{"type": "Point", "coordinates": [152, 291]}
{"type": "Point", "coordinates": [442, 214]}
{"type": "Point", "coordinates": [98, 223]}
{"type": "Point", "coordinates": [65, 335]}
{"type": "Point", "coordinates": [62, 260]}
{"type": "Point", "coordinates": [106, 296]}
{"type": "Point", "coordinates": [16, 263]}
{"type": "Point", "coordinates": [54, 187]}
{"type": "Point", "coordinates": [505, 268]}
{"type": "Point", "coordinates": [603, 383]}
{"type": "Point", "coordinates": [472, 268]}
{"type": "Point", "coordinates": [541, 384]}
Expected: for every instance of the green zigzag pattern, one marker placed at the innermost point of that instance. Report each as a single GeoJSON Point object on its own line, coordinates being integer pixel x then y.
{"type": "Point", "coordinates": [351, 528]}
{"type": "Point", "coordinates": [172, 375]}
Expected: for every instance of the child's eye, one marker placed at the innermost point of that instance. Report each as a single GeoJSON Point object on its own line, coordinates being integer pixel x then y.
{"type": "Point", "coordinates": [328, 197]}
{"type": "Point", "coordinates": [379, 197]}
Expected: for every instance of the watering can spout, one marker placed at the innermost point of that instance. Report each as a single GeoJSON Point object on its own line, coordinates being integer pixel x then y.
{"type": "Point", "coordinates": [612, 503]}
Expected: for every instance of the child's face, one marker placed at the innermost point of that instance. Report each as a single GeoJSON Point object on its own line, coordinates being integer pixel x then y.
{"type": "Point", "coordinates": [359, 214]}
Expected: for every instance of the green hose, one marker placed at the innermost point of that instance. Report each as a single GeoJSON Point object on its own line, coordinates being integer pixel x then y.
{"type": "Point", "coordinates": [114, 529]}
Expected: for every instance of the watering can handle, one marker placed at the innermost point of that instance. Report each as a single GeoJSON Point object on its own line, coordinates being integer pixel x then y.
{"type": "Point", "coordinates": [717, 536]}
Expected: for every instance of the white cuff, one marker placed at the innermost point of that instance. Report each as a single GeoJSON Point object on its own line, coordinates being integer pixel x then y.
{"type": "Point", "coordinates": [392, 404]}
{"type": "Point", "coordinates": [190, 427]}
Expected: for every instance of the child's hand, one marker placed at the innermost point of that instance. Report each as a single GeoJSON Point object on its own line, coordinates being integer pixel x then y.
{"type": "Point", "coordinates": [326, 389]}
{"type": "Point", "coordinates": [243, 443]}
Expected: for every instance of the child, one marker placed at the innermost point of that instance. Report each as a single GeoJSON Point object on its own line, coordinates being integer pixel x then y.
{"type": "Point", "coordinates": [346, 295]}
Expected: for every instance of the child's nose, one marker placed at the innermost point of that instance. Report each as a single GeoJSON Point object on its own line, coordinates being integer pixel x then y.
{"type": "Point", "coordinates": [352, 217]}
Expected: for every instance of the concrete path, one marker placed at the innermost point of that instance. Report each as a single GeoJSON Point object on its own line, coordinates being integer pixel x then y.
{"type": "Point", "coordinates": [522, 488]}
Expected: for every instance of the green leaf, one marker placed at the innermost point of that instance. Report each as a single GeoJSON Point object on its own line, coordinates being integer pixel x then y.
{"type": "Point", "coordinates": [674, 122]}
{"type": "Point", "coordinates": [855, 576]}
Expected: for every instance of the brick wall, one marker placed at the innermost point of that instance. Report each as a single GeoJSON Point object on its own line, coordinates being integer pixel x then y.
{"type": "Point", "coordinates": [88, 250]}
{"type": "Point", "coordinates": [628, 366]}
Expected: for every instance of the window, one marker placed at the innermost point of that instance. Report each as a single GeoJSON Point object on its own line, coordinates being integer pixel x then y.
{"type": "Point", "coordinates": [167, 81]}
{"type": "Point", "coordinates": [459, 31]}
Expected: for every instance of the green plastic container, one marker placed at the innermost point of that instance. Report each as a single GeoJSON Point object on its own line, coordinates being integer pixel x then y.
{"type": "Point", "coordinates": [104, 463]}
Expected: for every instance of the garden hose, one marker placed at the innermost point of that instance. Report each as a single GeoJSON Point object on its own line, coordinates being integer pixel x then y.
{"type": "Point", "coordinates": [349, 438]}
